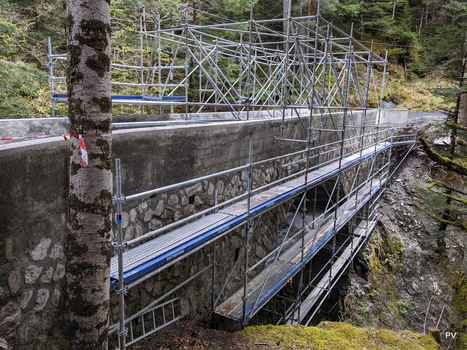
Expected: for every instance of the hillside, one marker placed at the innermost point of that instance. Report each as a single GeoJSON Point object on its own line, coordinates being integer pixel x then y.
{"type": "Point", "coordinates": [424, 41]}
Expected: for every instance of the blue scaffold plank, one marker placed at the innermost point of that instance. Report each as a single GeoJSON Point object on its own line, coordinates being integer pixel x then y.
{"type": "Point", "coordinates": [62, 97]}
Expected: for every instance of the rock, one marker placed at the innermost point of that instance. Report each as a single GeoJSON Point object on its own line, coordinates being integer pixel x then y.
{"type": "Point", "coordinates": [125, 219]}
{"type": "Point", "coordinates": [220, 187]}
{"type": "Point", "coordinates": [142, 207]}
{"type": "Point", "coordinates": [173, 200]}
{"type": "Point", "coordinates": [185, 200]}
{"type": "Point", "coordinates": [10, 318]}
{"type": "Point", "coordinates": [59, 272]}
{"type": "Point", "coordinates": [133, 215]}
{"type": "Point", "coordinates": [40, 251]}
{"type": "Point", "coordinates": [139, 231]}
{"type": "Point", "coordinates": [14, 281]}
{"type": "Point", "coordinates": [413, 288]}
{"type": "Point", "coordinates": [41, 299]}
{"type": "Point", "coordinates": [211, 189]}
{"type": "Point", "coordinates": [57, 252]}
{"type": "Point", "coordinates": [192, 190]}
{"type": "Point", "coordinates": [200, 200]}
{"type": "Point", "coordinates": [4, 295]}
{"type": "Point", "coordinates": [32, 273]}
{"type": "Point", "coordinates": [148, 215]}
{"type": "Point", "coordinates": [177, 215]}
{"type": "Point", "coordinates": [55, 299]}
{"type": "Point", "coordinates": [159, 208]}
{"type": "Point", "coordinates": [129, 233]}
{"type": "Point", "coordinates": [24, 299]}
{"type": "Point", "coordinates": [47, 276]}
{"type": "Point", "coordinates": [154, 224]}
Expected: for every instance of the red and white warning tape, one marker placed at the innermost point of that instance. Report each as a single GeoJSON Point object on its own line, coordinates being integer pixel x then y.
{"type": "Point", "coordinates": [84, 152]}
{"type": "Point", "coordinates": [82, 145]}
{"type": "Point", "coordinates": [65, 136]}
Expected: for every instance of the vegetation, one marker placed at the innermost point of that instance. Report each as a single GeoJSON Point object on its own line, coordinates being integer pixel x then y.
{"type": "Point", "coordinates": [423, 37]}
{"type": "Point", "coordinates": [336, 336]}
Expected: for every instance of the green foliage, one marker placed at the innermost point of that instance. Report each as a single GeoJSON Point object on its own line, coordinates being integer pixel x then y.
{"type": "Point", "coordinates": [335, 335]}
{"type": "Point", "coordinates": [19, 84]}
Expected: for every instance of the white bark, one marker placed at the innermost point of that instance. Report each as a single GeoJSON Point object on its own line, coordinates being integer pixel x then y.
{"type": "Point", "coordinates": [88, 248]}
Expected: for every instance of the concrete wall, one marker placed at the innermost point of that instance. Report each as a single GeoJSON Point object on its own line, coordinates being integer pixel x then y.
{"type": "Point", "coordinates": [33, 192]}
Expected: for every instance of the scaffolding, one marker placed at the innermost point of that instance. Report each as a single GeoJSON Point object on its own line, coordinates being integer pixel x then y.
{"type": "Point", "coordinates": [251, 70]}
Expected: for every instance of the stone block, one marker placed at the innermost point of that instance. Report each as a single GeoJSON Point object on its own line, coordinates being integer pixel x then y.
{"type": "Point", "coordinates": [47, 276]}
{"type": "Point", "coordinates": [173, 200]}
{"type": "Point", "coordinates": [57, 252]}
{"type": "Point", "coordinates": [32, 273]}
{"type": "Point", "coordinates": [139, 231]}
{"type": "Point", "coordinates": [25, 298]}
{"type": "Point", "coordinates": [154, 224]}
{"type": "Point", "coordinates": [41, 299]}
{"type": "Point", "coordinates": [148, 215]}
{"type": "Point", "coordinates": [129, 233]}
{"type": "Point", "coordinates": [40, 251]}
{"type": "Point", "coordinates": [55, 299]}
{"type": "Point", "coordinates": [14, 281]}
{"type": "Point", "coordinates": [142, 207]}
{"type": "Point", "coordinates": [178, 215]}
{"type": "Point", "coordinates": [220, 187]}
{"type": "Point", "coordinates": [159, 208]}
{"type": "Point", "coordinates": [125, 219]}
{"type": "Point", "coordinates": [200, 200]}
{"type": "Point", "coordinates": [10, 318]}
{"type": "Point", "coordinates": [59, 272]}
{"type": "Point", "coordinates": [133, 215]}
{"type": "Point", "coordinates": [211, 189]}
{"type": "Point", "coordinates": [193, 189]}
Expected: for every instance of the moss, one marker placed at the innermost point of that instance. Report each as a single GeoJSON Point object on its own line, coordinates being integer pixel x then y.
{"type": "Point", "coordinates": [94, 33]}
{"type": "Point", "coordinates": [460, 304]}
{"type": "Point", "coordinates": [336, 336]}
{"type": "Point", "coordinates": [99, 64]}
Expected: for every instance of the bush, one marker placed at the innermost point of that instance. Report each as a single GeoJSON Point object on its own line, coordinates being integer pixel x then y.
{"type": "Point", "coordinates": [20, 85]}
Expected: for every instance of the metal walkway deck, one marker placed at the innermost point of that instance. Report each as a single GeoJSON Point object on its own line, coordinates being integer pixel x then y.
{"type": "Point", "coordinates": [360, 234]}
{"type": "Point", "coordinates": [273, 277]}
{"type": "Point", "coordinates": [153, 255]}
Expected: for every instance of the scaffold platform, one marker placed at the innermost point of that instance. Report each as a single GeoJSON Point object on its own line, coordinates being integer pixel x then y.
{"type": "Point", "coordinates": [360, 235]}
{"type": "Point", "coordinates": [153, 255]}
{"type": "Point", "coordinates": [273, 277]}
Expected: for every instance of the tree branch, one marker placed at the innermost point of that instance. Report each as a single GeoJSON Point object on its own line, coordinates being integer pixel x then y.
{"type": "Point", "coordinates": [444, 161]}
{"type": "Point", "coordinates": [455, 125]}
{"type": "Point", "coordinates": [433, 184]}
{"type": "Point", "coordinates": [462, 225]}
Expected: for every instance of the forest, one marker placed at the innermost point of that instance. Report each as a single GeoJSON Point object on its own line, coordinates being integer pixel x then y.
{"type": "Point", "coordinates": [425, 41]}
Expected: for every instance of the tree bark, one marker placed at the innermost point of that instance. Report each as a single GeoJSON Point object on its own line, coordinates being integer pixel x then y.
{"type": "Point", "coordinates": [89, 225]}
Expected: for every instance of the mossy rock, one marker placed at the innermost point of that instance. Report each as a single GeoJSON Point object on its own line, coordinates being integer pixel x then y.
{"type": "Point", "coordinates": [336, 336]}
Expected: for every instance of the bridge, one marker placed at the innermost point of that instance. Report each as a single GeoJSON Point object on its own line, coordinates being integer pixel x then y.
{"type": "Point", "coordinates": [331, 167]}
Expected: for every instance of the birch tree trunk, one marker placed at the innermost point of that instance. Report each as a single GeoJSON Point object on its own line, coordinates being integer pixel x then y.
{"type": "Point", "coordinates": [88, 248]}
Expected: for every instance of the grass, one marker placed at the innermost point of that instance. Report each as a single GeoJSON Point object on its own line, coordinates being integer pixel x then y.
{"type": "Point", "coordinates": [417, 94]}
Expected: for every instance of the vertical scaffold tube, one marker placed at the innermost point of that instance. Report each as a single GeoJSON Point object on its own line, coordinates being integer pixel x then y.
{"type": "Point", "coordinates": [51, 72]}
{"type": "Point", "coordinates": [119, 247]}
{"type": "Point", "coordinates": [247, 234]}
{"type": "Point", "coordinates": [141, 60]}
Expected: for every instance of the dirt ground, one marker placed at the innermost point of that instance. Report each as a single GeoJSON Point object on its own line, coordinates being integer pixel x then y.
{"type": "Point", "coordinates": [186, 335]}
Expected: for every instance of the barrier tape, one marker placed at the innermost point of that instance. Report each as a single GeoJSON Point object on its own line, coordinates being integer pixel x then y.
{"type": "Point", "coordinates": [65, 136]}
{"type": "Point", "coordinates": [82, 145]}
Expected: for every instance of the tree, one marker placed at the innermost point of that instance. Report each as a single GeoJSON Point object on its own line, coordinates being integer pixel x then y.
{"type": "Point", "coordinates": [89, 225]}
